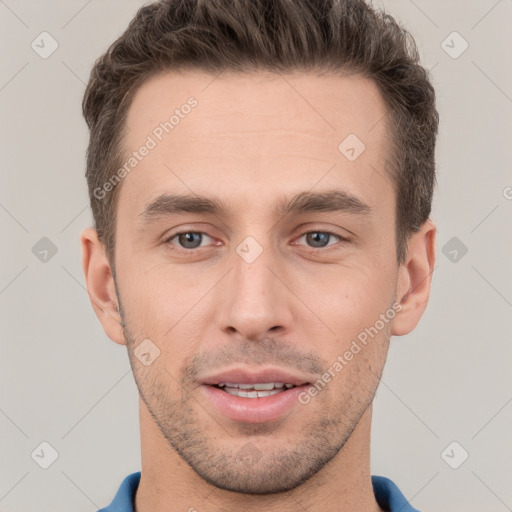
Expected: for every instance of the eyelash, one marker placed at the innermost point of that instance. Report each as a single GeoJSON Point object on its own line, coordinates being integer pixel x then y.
{"type": "Point", "coordinates": [167, 241]}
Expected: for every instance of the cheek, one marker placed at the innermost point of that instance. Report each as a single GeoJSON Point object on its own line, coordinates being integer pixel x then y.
{"type": "Point", "coordinates": [354, 365]}
{"type": "Point", "coordinates": [165, 305]}
{"type": "Point", "coordinates": [157, 294]}
{"type": "Point", "coordinates": [357, 306]}
{"type": "Point", "coordinates": [350, 298]}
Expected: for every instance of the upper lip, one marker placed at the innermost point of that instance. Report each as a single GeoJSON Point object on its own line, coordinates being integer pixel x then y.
{"type": "Point", "coordinates": [255, 376]}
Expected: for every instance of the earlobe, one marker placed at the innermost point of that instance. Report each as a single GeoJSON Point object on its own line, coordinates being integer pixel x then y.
{"type": "Point", "coordinates": [414, 278]}
{"type": "Point", "coordinates": [100, 285]}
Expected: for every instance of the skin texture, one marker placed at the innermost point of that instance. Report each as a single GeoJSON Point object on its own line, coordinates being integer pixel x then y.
{"type": "Point", "coordinates": [251, 141]}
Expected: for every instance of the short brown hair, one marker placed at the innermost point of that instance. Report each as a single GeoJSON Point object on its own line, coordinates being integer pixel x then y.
{"type": "Point", "coordinates": [336, 36]}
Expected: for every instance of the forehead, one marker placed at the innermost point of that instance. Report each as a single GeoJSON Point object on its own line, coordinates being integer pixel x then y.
{"type": "Point", "coordinates": [243, 132]}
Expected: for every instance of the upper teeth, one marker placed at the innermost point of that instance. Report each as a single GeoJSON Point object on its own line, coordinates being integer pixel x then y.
{"type": "Point", "coordinates": [259, 386]}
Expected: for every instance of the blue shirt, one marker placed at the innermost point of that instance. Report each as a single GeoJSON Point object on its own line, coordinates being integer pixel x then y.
{"type": "Point", "coordinates": [387, 494]}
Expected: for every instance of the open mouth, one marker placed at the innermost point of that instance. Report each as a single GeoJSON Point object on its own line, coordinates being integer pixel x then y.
{"type": "Point", "coordinates": [256, 390]}
{"type": "Point", "coordinates": [253, 397]}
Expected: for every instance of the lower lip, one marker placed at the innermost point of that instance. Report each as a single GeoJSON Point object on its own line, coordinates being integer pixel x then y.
{"type": "Point", "coordinates": [253, 410]}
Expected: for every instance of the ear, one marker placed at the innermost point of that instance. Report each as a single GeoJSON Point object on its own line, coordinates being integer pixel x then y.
{"type": "Point", "coordinates": [100, 285]}
{"type": "Point", "coordinates": [414, 278]}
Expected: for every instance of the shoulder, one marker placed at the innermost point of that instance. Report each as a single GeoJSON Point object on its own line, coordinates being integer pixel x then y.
{"type": "Point", "coordinates": [388, 495]}
{"type": "Point", "coordinates": [123, 500]}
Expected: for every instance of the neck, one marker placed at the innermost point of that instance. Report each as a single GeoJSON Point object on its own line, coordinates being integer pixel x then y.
{"type": "Point", "coordinates": [169, 484]}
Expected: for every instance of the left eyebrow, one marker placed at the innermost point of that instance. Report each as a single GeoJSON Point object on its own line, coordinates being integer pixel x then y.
{"type": "Point", "coordinates": [303, 202]}
{"type": "Point", "coordinates": [329, 201]}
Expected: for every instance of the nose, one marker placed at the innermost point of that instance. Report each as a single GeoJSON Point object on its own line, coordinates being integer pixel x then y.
{"type": "Point", "coordinates": [255, 300]}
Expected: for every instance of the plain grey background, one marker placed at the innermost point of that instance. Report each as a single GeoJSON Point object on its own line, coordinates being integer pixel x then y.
{"type": "Point", "coordinates": [63, 382]}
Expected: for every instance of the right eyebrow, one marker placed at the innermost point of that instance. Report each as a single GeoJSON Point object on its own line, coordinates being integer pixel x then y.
{"type": "Point", "coordinates": [168, 204]}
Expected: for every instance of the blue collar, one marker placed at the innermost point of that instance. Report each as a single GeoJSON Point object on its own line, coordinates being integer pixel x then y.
{"type": "Point", "coordinates": [387, 494]}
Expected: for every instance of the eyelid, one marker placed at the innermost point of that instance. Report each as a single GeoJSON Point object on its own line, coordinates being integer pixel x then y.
{"type": "Point", "coordinates": [342, 239]}
{"type": "Point", "coordinates": [180, 230]}
{"type": "Point", "coordinates": [168, 238]}
{"type": "Point", "coordinates": [327, 231]}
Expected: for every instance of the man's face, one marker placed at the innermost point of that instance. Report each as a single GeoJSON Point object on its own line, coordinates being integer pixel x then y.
{"type": "Point", "coordinates": [257, 292]}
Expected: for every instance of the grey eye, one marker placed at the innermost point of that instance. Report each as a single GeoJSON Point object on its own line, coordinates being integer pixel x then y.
{"type": "Point", "coordinates": [319, 239]}
{"type": "Point", "coordinates": [188, 239]}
